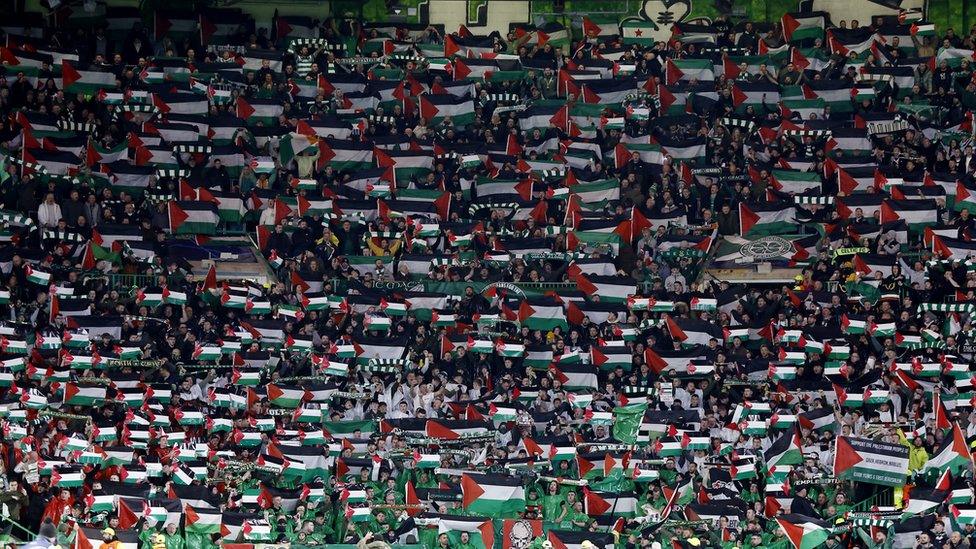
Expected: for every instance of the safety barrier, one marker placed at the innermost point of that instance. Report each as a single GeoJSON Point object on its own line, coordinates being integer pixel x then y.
{"type": "Point", "coordinates": [883, 498]}
{"type": "Point", "coordinates": [14, 532]}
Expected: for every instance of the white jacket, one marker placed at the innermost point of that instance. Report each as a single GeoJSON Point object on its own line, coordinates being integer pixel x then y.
{"type": "Point", "coordinates": [48, 214]}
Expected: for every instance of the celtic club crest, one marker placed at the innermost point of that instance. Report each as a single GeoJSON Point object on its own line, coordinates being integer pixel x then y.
{"type": "Point", "coordinates": [767, 247]}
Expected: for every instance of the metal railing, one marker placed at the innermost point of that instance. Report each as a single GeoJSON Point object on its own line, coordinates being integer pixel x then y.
{"type": "Point", "coordinates": [9, 526]}
{"type": "Point", "coordinates": [883, 498]}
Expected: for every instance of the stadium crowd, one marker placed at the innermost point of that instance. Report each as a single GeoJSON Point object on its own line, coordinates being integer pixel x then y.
{"type": "Point", "coordinates": [492, 318]}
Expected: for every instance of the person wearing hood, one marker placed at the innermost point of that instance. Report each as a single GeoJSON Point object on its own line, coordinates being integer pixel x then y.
{"type": "Point", "coordinates": [47, 537]}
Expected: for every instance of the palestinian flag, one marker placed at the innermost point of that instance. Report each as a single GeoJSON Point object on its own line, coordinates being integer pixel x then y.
{"type": "Point", "coordinates": [648, 304]}
{"type": "Point", "coordinates": [469, 46]}
{"type": "Point", "coordinates": [40, 278]}
{"type": "Point", "coordinates": [803, 26]}
{"type": "Point", "coordinates": [953, 455]}
{"type": "Point", "coordinates": [613, 91]}
{"type": "Point", "coordinates": [802, 531]}
{"type": "Point", "coordinates": [406, 164]}
{"type": "Point", "coordinates": [592, 29]}
{"type": "Point", "coordinates": [844, 42]}
{"type": "Point", "coordinates": [609, 288]}
{"type": "Point", "coordinates": [870, 461]}
{"type": "Point", "coordinates": [22, 58]}
{"type": "Point", "coordinates": [756, 94]}
{"type": "Point", "coordinates": [683, 149]}
{"type": "Point", "coordinates": [313, 462]}
{"type": "Point", "coordinates": [676, 70]}
{"type": "Point", "coordinates": [79, 394]}
{"type": "Point", "coordinates": [648, 153]}
{"type": "Point", "coordinates": [817, 419]}
{"type": "Point", "coordinates": [768, 218]}
{"type": "Point", "coordinates": [868, 264]}
{"type": "Point", "coordinates": [917, 213]}
{"type": "Point", "coordinates": [176, 24]}
{"type": "Point", "coordinates": [576, 376]}
{"type": "Point", "coordinates": [923, 500]}
{"type": "Point", "coordinates": [192, 217]}
{"type": "Point", "coordinates": [794, 181]}
{"type": "Point", "coordinates": [611, 357]}
{"type": "Point", "coordinates": [96, 154]}
{"type": "Point", "coordinates": [87, 82]}
{"type": "Point", "coordinates": [660, 360]}
{"type": "Point", "coordinates": [294, 144]}
{"type": "Point", "coordinates": [294, 26]}
{"type": "Point", "coordinates": [611, 504]}
{"type": "Point", "coordinates": [786, 450]}
{"type": "Point", "coordinates": [286, 397]}
{"type": "Point", "coordinates": [67, 477]}
{"type": "Point", "coordinates": [106, 502]}
{"type": "Point", "coordinates": [744, 469]}
{"type": "Point", "coordinates": [436, 108]}
{"type": "Point", "coordinates": [258, 109]}
{"type": "Point", "coordinates": [199, 520]}
{"type": "Point", "coordinates": [180, 103]}
{"type": "Point", "coordinates": [597, 192]}
{"type": "Point", "coordinates": [541, 314]}
{"type": "Point", "coordinates": [963, 514]}
{"type": "Point", "coordinates": [206, 352]}
{"type": "Point", "coordinates": [552, 33]}
{"type": "Point", "coordinates": [781, 372]}
{"type": "Point", "coordinates": [345, 155]}
{"type": "Point", "coordinates": [691, 332]}
{"type": "Point", "coordinates": [965, 198]}
{"type": "Point", "coordinates": [509, 349]}
{"type": "Point", "coordinates": [426, 461]}
{"type": "Point", "coordinates": [853, 325]}
{"type": "Point", "coordinates": [492, 495]}
{"type": "Point", "coordinates": [953, 248]}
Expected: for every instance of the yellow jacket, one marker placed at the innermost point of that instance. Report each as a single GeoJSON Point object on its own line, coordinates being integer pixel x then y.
{"type": "Point", "coordinates": [377, 250]}
{"type": "Point", "coordinates": [917, 455]}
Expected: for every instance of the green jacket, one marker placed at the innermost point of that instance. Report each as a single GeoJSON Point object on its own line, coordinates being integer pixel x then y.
{"type": "Point", "coordinates": [174, 542]}
{"type": "Point", "coordinates": [199, 541]}
{"type": "Point", "coordinates": [145, 539]}
{"type": "Point", "coordinates": [552, 506]}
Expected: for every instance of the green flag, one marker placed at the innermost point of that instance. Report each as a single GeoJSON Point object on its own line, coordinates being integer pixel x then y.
{"type": "Point", "coordinates": [105, 254]}
{"type": "Point", "coordinates": [627, 421]}
{"type": "Point", "coordinates": [867, 291]}
{"type": "Point", "coordinates": [616, 481]}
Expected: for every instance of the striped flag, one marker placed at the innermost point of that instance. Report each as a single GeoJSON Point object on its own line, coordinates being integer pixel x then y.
{"type": "Point", "coordinates": [636, 31]}
{"type": "Point", "coordinates": [802, 531]}
{"type": "Point", "coordinates": [192, 217]}
{"type": "Point", "coordinates": [768, 218]}
{"type": "Point", "coordinates": [870, 461]}
{"type": "Point", "coordinates": [492, 495]}
{"type": "Point", "coordinates": [436, 108]}
{"type": "Point", "coordinates": [89, 82]}
{"type": "Point", "coordinates": [803, 26]}
{"type": "Point", "coordinates": [609, 288]}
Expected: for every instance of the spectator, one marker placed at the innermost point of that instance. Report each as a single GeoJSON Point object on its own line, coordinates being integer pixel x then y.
{"type": "Point", "coordinates": [49, 212]}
